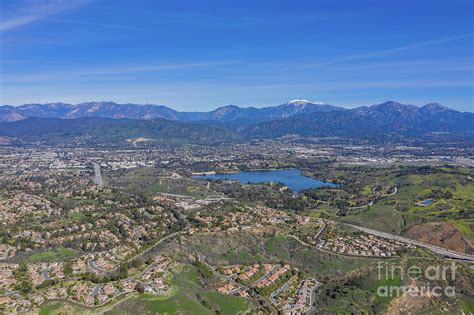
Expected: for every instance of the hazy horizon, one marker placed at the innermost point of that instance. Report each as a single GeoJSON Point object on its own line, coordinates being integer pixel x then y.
{"type": "Point", "coordinates": [229, 104]}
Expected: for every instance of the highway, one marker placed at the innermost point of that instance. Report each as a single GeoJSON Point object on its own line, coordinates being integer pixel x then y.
{"type": "Point", "coordinates": [435, 249]}
{"type": "Point", "coordinates": [217, 198]}
{"type": "Point", "coordinates": [98, 176]}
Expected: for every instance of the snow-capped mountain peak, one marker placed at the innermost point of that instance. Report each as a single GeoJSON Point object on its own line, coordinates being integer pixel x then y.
{"type": "Point", "coordinates": [303, 102]}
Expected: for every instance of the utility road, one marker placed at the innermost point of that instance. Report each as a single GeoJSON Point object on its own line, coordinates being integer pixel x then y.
{"type": "Point", "coordinates": [98, 175]}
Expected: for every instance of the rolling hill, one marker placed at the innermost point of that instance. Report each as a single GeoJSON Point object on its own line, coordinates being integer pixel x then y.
{"type": "Point", "coordinates": [389, 118]}
{"type": "Point", "coordinates": [107, 131]}
{"type": "Point", "coordinates": [225, 114]}
{"type": "Point", "coordinates": [111, 123]}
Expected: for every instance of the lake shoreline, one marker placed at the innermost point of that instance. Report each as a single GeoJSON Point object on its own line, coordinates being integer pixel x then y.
{"type": "Point", "coordinates": [250, 170]}
{"type": "Point", "coordinates": [290, 177]}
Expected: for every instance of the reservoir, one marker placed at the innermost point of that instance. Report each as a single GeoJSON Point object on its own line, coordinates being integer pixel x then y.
{"type": "Point", "coordinates": [427, 202]}
{"type": "Point", "coordinates": [291, 178]}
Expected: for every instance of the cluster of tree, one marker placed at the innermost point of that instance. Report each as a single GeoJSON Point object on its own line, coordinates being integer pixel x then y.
{"type": "Point", "coordinates": [272, 196]}
{"type": "Point", "coordinates": [67, 269]}
{"type": "Point", "coordinates": [203, 269]}
{"type": "Point", "coordinates": [24, 284]}
{"type": "Point", "coordinates": [439, 194]}
{"type": "Point", "coordinates": [46, 283]}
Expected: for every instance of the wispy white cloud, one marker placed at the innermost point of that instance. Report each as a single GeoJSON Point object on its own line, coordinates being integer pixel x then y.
{"type": "Point", "coordinates": [26, 12]}
{"type": "Point", "coordinates": [111, 71]}
{"type": "Point", "coordinates": [100, 25]}
{"type": "Point", "coordinates": [396, 50]}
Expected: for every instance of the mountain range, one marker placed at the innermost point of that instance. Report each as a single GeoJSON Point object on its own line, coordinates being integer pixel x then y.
{"type": "Point", "coordinates": [229, 113]}
{"type": "Point", "coordinates": [111, 122]}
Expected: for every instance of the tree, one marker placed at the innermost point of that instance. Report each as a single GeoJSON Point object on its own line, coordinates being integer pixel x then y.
{"type": "Point", "coordinates": [123, 271]}
{"type": "Point", "coordinates": [23, 279]}
{"type": "Point", "coordinates": [140, 287]}
{"type": "Point", "coordinates": [67, 269]}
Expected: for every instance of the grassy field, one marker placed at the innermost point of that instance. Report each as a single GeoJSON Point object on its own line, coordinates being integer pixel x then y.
{"type": "Point", "coordinates": [50, 308]}
{"type": "Point", "coordinates": [379, 217]}
{"type": "Point", "coordinates": [58, 254]}
{"type": "Point", "coordinates": [77, 216]}
{"type": "Point", "coordinates": [190, 298]}
{"type": "Point", "coordinates": [356, 295]}
{"type": "Point", "coordinates": [151, 180]}
{"type": "Point", "coordinates": [147, 304]}
{"type": "Point", "coordinates": [242, 248]}
{"type": "Point", "coordinates": [185, 302]}
{"type": "Point", "coordinates": [187, 297]}
{"type": "Point", "coordinates": [450, 189]}
{"type": "Point", "coordinates": [363, 292]}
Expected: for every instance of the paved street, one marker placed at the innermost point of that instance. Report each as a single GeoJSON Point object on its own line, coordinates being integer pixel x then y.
{"type": "Point", "coordinates": [45, 274]}
{"type": "Point", "coordinates": [98, 176]}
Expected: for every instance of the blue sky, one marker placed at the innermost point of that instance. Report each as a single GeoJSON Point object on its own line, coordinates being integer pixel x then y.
{"type": "Point", "coordinates": [198, 55]}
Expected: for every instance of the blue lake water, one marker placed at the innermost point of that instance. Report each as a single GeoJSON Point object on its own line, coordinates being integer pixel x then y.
{"type": "Point", "coordinates": [291, 178]}
{"type": "Point", "coordinates": [427, 202]}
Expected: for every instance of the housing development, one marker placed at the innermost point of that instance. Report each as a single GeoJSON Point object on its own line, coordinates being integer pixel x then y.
{"type": "Point", "coordinates": [246, 157]}
{"type": "Point", "coordinates": [98, 230]}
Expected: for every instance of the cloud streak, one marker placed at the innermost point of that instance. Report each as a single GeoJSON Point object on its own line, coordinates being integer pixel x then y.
{"type": "Point", "coordinates": [121, 71]}
{"type": "Point", "coordinates": [395, 50]}
{"type": "Point", "coordinates": [31, 11]}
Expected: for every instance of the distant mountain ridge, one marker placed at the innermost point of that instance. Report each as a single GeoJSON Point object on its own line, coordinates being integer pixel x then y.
{"type": "Point", "coordinates": [108, 122]}
{"type": "Point", "coordinates": [381, 119]}
{"type": "Point", "coordinates": [229, 113]}
{"type": "Point", "coordinates": [90, 109]}
{"type": "Point", "coordinates": [108, 131]}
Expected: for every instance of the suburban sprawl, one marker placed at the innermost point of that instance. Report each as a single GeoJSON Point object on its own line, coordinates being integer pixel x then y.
{"type": "Point", "coordinates": [102, 230]}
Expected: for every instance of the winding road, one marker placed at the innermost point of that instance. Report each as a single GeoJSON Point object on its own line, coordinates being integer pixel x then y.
{"type": "Point", "coordinates": [312, 300]}
{"type": "Point", "coordinates": [93, 267]}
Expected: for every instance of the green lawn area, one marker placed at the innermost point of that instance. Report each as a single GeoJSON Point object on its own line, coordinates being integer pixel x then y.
{"type": "Point", "coordinates": [468, 306]}
{"type": "Point", "coordinates": [184, 302]}
{"type": "Point", "coordinates": [367, 190]}
{"type": "Point", "coordinates": [189, 298]}
{"type": "Point", "coordinates": [77, 216]}
{"type": "Point", "coordinates": [452, 194]}
{"type": "Point", "coordinates": [465, 227]}
{"type": "Point", "coordinates": [379, 217]}
{"type": "Point", "coordinates": [159, 188]}
{"type": "Point", "coordinates": [359, 295]}
{"type": "Point", "coordinates": [227, 304]}
{"type": "Point", "coordinates": [60, 253]}
{"type": "Point", "coordinates": [49, 308]}
{"type": "Point", "coordinates": [278, 246]}
{"type": "Point", "coordinates": [179, 303]}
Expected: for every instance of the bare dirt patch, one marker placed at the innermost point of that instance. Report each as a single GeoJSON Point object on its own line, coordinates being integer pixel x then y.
{"type": "Point", "coordinates": [440, 234]}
